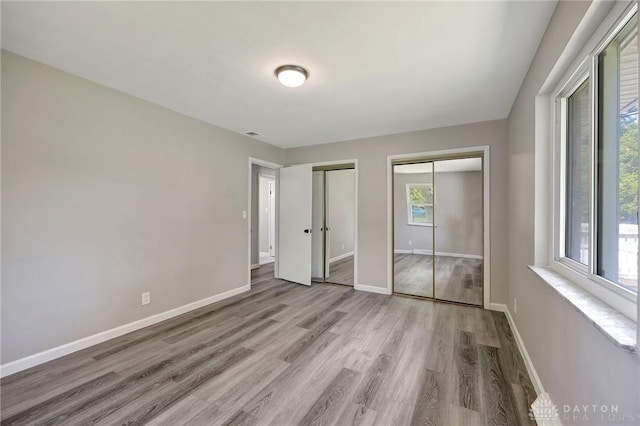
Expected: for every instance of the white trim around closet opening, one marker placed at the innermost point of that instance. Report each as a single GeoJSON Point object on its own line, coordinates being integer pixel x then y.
{"type": "Point", "coordinates": [486, 172]}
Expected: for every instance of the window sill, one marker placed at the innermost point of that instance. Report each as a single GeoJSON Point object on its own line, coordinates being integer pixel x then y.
{"type": "Point", "coordinates": [617, 327]}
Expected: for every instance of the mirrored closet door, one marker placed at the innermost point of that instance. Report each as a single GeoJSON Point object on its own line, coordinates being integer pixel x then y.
{"type": "Point", "coordinates": [413, 203]}
{"type": "Point", "coordinates": [333, 221]}
{"type": "Point", "coordinates": [438, 229]}
{"type": "Point", "coordinates": [458, 230]}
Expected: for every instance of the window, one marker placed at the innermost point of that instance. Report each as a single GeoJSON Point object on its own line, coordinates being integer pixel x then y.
{"type": "Point", "coordinates": [578, 175]}
{"type": "Point", "coordinates": [617, 159]}
{"type": "Point", "coordinates": [597, 147]}
{"type": "Point", "coordinates": [420, 202]}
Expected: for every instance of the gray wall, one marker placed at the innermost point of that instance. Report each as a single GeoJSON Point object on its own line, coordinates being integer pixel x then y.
{"type": "Point", "coordinates": [458, 213]}
{"type": "Point", "coordinates": [105, 196]}
{"type": "Point", "coordinates": [372, 188]}
{"type": "Point", "coordinates": [341, 211]}
{"type": "Point", "coordinates": [576, 363]}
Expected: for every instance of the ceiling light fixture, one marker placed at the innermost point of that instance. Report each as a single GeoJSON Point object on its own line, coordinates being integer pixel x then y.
{"type": "Point", "coordinates": [291, 75]}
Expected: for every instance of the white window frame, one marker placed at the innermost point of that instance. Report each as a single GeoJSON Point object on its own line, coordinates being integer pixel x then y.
{"type": "Point", "coordinates": [410, 204]}
{"type": "Point", "coordinates": [584, 68]}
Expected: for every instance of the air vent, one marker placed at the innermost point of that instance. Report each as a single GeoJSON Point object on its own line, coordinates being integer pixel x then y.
{"type": "Point", "coordinates": [252, 134]}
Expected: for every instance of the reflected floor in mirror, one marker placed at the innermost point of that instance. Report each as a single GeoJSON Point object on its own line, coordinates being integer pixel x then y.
{"type": "Point", "coordinates": [457, 279]}
{"type": "Point", "coordinates": [341, 271]}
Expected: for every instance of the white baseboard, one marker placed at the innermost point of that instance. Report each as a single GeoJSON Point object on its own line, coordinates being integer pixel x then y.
{"type": "Point", "coordinates": [255, 266]}
{"type": "Point", "coordinates": [372, 289]}
{"type": "Point", "coordinates": [438, 253]}
{"type": "Point", "coordinates": [533, 374]}
{"type": "Point", "coordinates": [340, 257]}
{"type": "Point", "coordinates": [498, 307]}
{"type": "Point", "coordinates": [68, 348]}
{"type": "Point", "coordinates": [264, 254]}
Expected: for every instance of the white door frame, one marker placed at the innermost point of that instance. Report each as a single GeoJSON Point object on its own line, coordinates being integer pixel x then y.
{"type": "Point", "coordinates": [274, 166]}
{"type": "Point", "coordinates": [355, 229]}
{"type": "Point", "coordinates": [486, 171]}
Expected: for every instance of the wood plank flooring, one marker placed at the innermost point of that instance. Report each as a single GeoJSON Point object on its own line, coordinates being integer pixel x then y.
{"type": "Point", "coordinates": [285, 354]}
{"type": "Point", "coordinates": [457, 279]}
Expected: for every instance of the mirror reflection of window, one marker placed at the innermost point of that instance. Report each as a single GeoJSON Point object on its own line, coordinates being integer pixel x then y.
{"type": "Point", "coordinates": [420, 202]}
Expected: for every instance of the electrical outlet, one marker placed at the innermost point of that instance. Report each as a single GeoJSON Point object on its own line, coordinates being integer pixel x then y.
{"type": "Point", "coordinates": [410, 242]}
{"type": "Point", "coordinates": [515, 306]}
{"type": "Point", "coordinates": [146, 298]}
{"type": "Point", "coordinates": [342, 246]}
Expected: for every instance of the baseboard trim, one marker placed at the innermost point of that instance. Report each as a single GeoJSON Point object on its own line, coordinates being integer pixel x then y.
{"type": "Point", "coordinates": [372, 289]}
{"type": "Point", "coordinates": [498, 307]}
{"type": "Point", "coordinates": [77, 345]}
{"type": "Point", "coordinates": [533, 374]}
{"type": "Point", "coordinates": [255, 266]}
{"type": "Point", "coordinates": [340, 257]}
{"type": "Point", "coordinates": [438, 253]}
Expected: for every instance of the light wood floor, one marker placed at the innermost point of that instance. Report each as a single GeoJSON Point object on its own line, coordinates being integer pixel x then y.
{"type": "Point", "coordinates": [285, 354]}
{"type": "Point", "coordinates": [457, 279]}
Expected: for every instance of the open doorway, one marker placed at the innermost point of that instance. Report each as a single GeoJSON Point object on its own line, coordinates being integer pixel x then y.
{"type": "Point", "coordinates": [266, 216]}
{"type": "Point", "coordinates": [262, 219]}
{"type": "Point", "coordinates": [318, 205]}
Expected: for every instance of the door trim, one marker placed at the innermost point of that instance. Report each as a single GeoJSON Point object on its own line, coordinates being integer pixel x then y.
{"type": "Point", "coordinates": [275, 166]}
{"type": "Point", "coordinates": [484, 150]}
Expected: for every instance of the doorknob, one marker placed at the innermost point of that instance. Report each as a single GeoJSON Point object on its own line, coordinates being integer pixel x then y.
{"type": "Point", "coordinates": [307, 231]}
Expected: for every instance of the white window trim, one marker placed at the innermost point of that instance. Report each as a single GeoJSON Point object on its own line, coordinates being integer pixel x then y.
{"type": "Point", "coordinates": [584, 67]}
{"type": "Point", "coordinates": [409, 204]}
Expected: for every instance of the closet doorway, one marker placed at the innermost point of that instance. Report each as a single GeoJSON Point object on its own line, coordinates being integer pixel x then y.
{"type": "Point", "coordinates": [438, 227]}
{"type": "Point", "coordinates": [333, 224]}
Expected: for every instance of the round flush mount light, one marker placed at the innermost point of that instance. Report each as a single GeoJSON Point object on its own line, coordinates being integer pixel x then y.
{"type": "Point", "coordinates": [291, 75]}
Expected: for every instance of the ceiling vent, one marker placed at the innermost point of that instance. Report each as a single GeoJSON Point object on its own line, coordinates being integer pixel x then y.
{"type": "Point", "coordinates": [252, 134]}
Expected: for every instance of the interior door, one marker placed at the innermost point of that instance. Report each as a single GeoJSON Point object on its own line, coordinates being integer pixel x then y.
{"type": "Point", "coordinates": [294, 228]}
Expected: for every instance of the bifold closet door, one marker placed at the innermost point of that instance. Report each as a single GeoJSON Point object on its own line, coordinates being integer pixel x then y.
{"type": "Point", "coordinates": [413, 204]}
{"type": "Point", "coordinates": [458, 221]}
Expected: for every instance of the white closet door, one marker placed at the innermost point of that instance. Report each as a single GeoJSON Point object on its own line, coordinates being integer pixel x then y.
{"type": "Point", "coordinates": [295, 224]}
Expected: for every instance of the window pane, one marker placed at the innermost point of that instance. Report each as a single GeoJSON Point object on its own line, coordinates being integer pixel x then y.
{"type": "Point", "coordinates": [618, 159]}
{"type": "Point", "coordinates": [578, 180]}
{"type": "Point", "coordinates": [421, 194]}
{"type": "Point", "coordinates": [421, 214]}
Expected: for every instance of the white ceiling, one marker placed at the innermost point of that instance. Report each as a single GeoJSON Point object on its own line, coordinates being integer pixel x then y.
{"type": "Point", "coordinates": [374, 67]}
{"type": "Point", "coordinates": [441, 166]}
